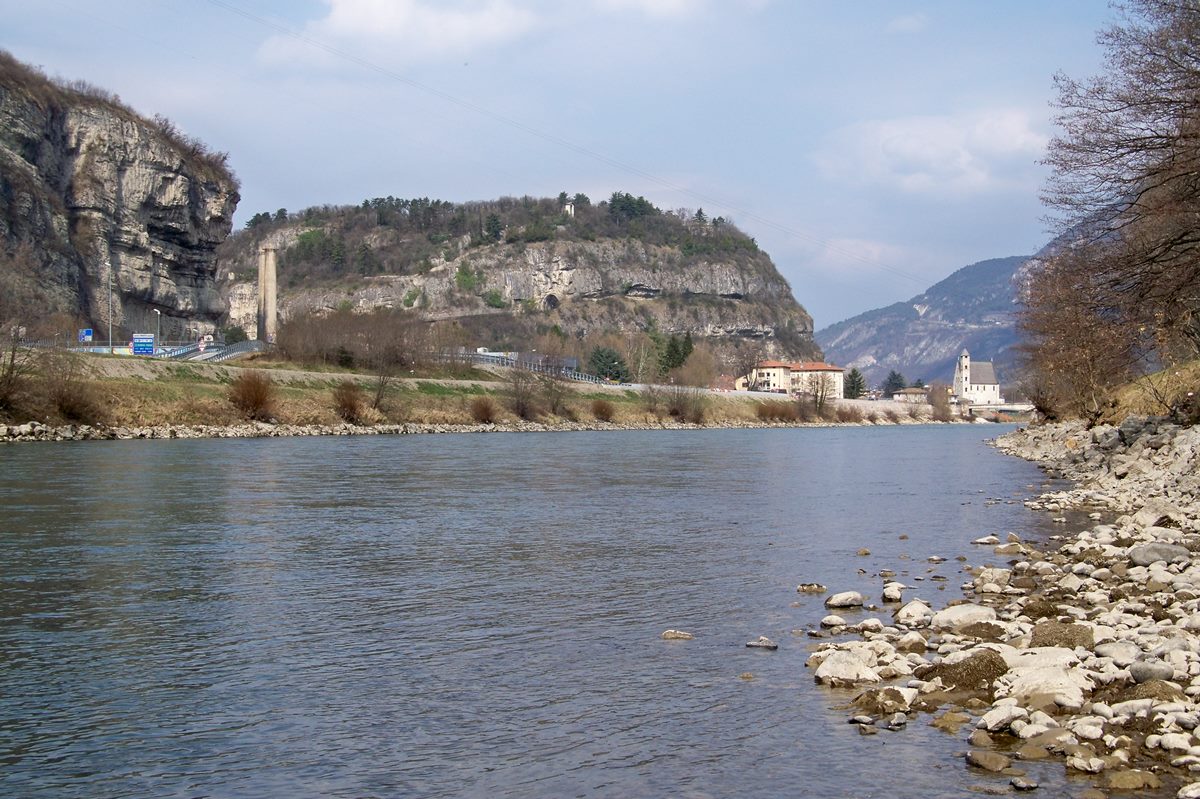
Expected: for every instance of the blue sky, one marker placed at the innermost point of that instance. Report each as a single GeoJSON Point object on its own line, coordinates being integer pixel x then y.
{"type": "Point", "coordinates": [871, 147]}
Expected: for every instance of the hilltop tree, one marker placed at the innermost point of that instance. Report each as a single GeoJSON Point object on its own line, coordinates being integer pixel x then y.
{"type": "Point", "coordinates": [855, 385]}
{"type": "Point", "coordinates": [894, 382]}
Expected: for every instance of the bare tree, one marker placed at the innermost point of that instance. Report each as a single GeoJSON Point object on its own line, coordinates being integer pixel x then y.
{"type": "Point", "coordinates": [1126, 170]}
{"type": "Point", "coordinates": [743, 359]}
{"type": "Point", "coordinates": [1075, 350]}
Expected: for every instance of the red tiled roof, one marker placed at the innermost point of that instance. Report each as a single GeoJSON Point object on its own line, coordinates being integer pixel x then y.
{"type": "Point", "coordinates": [815, 366]}
{"type": "Point", "coordinates": [803, 366]}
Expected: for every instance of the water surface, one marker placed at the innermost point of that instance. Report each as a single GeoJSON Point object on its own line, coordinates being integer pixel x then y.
{"type": "Point", "coordinates": [471, 615]}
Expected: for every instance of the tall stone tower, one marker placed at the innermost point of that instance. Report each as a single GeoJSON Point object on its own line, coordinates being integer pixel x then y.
{"type": "Point", "coordinates": [962, 375]}
{"type": "Point", "coordinates": [268, 316]}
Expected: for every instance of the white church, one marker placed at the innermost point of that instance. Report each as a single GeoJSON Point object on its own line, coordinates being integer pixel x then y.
{"type": "Point", "coordinates": [975, 382]}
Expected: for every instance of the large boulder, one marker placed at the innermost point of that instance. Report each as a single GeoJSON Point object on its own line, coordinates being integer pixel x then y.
{"type": "Point", "coordinates": [843, 669]}
{"type": "Point", "coordinates": [844, 599]}
{"type": "Point", "coordinates": [1145, 554]}
{"type": "Point", "coordinates": [961, 615]}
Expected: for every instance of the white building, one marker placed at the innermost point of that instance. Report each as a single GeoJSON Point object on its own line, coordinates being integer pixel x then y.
{"type": "Point", "coordinates": [812, 378]}
{"type": "Point", "coordinates": [975, 382]}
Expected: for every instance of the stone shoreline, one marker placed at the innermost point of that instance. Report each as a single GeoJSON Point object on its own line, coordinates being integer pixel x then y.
{"type": "Point", "coordinates": [1088, 652]}
{"type": "Point", "coordinates": [36, 431]}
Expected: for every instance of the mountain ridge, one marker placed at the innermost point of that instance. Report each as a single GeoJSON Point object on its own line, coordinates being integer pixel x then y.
{"type": "Point", "coordinates": [972, 308]}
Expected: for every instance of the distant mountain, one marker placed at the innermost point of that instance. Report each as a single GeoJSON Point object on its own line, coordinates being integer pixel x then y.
{"type": "Point", "coordinates": [973, 308]}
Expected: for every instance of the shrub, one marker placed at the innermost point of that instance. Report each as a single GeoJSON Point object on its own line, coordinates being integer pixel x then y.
{"type": "Point", "coordinates": [603, 410]}
{"type": "Point", "coordinates": [494, 299]}
{"type": "Point", "coordinates": [892, 416]}
{"type": "Point", "coordinates": [776, 411]}
{"type": "Point", "coordinates": [848, 415]}
{"type": "Point", "coordinates": [69, 394]}
{"type": "Point", "coordinates": [652, 399]}
{"type": "Point", "coordinates": [348, 401]}
{"type": "Point", "coordinates": [873, 417]}
{"type": "Point", "coordinates": [253, 394]}
{"type": "Point", "coordinates": [914, 413]}
{"type": "Point", "coordinates": [484, 410]}
{"type": "Point", "coordinates": [522, 393]}
{"type": "Point", "coordinates": [687, 404]}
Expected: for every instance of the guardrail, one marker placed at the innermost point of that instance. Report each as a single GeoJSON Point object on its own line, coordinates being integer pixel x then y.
{"type": "Point", "coordinates": [532, 366]}
{"type": "Point", "coordinates": [239, 350]}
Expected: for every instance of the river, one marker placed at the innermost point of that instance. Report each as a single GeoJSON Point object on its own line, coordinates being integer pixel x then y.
{"type": "Point", "coordinates": [473, 615]}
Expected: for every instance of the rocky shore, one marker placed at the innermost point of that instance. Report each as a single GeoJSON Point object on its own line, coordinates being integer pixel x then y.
{"type": "Point", "coordinates": [36, 431]}
{"type": "Point", "coordinates": [1086, 650]}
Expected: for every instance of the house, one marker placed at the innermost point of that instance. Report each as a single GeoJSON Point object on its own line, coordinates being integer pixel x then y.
{"type": "Point", "coordinates": [975, 382]}
{"type": "Point", "coordinates": [807, 377]}
{"type": "Point", "coordinates": [916, 396]}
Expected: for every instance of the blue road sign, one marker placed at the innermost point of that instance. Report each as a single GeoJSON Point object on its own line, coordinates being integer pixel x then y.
{"type": "Point", "coordinates": [143, 343]}
{"type": "Point", "coordinates": [85, 335]}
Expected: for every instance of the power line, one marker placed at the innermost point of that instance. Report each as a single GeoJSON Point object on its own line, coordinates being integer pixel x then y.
{"type": "Point", "coordinates": [516, 124]}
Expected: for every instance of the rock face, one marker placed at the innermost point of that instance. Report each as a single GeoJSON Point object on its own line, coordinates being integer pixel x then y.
{"type": "Point", "coordinates": [85, 182]}
{"type": "Point", "coordinates": [606, 285]}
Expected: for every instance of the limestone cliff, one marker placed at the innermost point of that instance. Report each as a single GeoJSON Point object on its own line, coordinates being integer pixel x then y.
{"type": "Point", "coordinates": [608, 284]}
{"type": "Point", "coordinates": [85, 183]}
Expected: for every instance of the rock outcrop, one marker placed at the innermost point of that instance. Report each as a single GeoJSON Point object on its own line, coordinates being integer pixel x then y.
{"type": "Point", "coordinates": [607, 285]}
{"type": "Point", "coordinates": [86, 183]}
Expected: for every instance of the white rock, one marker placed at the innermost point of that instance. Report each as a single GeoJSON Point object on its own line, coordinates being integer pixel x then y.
{"type": "Point", "coordinates": [844, 669]}
{"type": "Point", "coordinates": [1175, 742]}
{"type": "Point", "coordinates": [1191, 791]}
{"type": "Point", "coordinates": [833, 621]}
{"type": "Point", "coordinates": [961, 615]}
{"type": "Point", "coordinates": [914, 614]}
{"type": "Point", "coordinates": [893, 592]}
{"type": "Point", "coordinates": [1091, 765]}
{"type": "Point", "coordinates": [1001, 717]}
{"type": "Point", "coordinates": [1122, 652]}
{"type": "Point", "coordinates": [844, 599]}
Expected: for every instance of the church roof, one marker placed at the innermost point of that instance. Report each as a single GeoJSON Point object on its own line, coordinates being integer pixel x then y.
{"type": "Point", "coordinates": [982, 372]}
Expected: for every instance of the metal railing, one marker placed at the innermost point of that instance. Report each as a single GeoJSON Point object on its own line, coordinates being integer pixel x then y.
{"type": "Point", "coordinates": [239, 350]}
{"type": "Point", "coordinates": [513, 363]}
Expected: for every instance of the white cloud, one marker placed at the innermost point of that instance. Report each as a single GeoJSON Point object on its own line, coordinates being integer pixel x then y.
{"type": "Point", "coordinates": [653, 8]}
{"type": "Point", "coordinates": [402, 30]}
{"type": "Point", "coordinates": [909, 23]}
{"type": "Point", "coordinates": [960, 154]}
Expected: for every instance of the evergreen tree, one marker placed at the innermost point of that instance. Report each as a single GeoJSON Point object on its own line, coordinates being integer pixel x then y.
{"type": "Point", "coordinates": [895, 382]}
{"type": "Point", "coordinates": [686, 347]}
{"type": "Point", "coordinates": [607, 363]}
{"type": "Point", "coordinates": [673, 355]}
{"type": "Point", "coordinates": [492, 228]}
{"type": "Point", "coordinates": [855, 385]}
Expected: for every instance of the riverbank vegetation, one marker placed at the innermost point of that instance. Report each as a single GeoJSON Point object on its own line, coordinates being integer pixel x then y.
{"type": "Point", "coordinates": [1118, 298]}
{"type": "Point", "coordinates": [62, 387]}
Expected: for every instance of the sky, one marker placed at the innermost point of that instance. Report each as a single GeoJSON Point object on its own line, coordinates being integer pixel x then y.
{"type": "Point", "coordinates": [871, 147]}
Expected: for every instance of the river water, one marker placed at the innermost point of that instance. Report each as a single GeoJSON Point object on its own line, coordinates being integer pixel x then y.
{"type": "Point", "coordinates": [473, 615]}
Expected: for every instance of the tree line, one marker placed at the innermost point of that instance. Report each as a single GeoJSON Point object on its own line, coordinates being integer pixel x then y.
{"type": "Point", "coordinates": [391, 235]}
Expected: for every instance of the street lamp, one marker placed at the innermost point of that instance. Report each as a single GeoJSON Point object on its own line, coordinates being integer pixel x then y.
{"type": "Point", "coordinates": [158, 335]}
{"type": "Point", "coordinates": [110, 348]}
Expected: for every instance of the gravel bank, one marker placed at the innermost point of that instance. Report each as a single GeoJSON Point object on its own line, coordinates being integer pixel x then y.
{"type": "Point", "coordinates": [1088, 652]}
{"type": "Point", "coordinates": [36, 431]}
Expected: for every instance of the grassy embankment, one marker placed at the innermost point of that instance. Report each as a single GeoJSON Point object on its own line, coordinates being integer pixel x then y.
{"type": "Point", "coordinates": [122, 391]}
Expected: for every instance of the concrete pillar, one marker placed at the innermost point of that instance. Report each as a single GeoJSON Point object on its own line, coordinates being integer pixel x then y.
{"type": "Point", "coordinates": [268, 317]}
{"type": "Point", "coordinates": [260, 332]}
